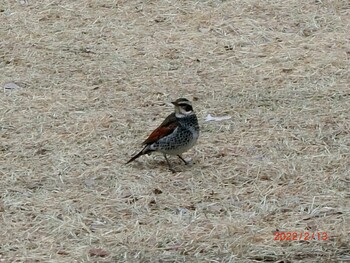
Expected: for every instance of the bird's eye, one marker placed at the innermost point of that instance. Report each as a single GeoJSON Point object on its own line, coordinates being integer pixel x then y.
{"type": "Point", "coordinates": [187, 108]}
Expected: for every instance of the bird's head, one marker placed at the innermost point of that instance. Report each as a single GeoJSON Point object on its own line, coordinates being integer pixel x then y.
{"type": "Point", "coordinates": [183, 107]}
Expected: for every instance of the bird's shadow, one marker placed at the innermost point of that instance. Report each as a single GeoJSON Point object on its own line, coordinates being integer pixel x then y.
{"type": "Point", "coordinates": [158, 163]}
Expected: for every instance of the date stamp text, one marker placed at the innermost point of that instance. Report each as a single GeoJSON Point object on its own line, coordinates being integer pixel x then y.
{"type": "Point", "coordinates": [305, 236]}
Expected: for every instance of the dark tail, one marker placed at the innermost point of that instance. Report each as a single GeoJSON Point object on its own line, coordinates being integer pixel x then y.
{"type": "Point", "coordinates": [145, 150]}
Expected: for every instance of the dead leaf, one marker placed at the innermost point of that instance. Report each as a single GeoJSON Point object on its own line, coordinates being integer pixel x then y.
{"type": "Point", "coordinates": [157, 191]}
{"type": "Point", "coordinates": [98, 252]}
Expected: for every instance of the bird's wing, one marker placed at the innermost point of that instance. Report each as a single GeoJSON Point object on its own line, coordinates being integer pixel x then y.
{"type": "Point", "coordinates": [167, 127]}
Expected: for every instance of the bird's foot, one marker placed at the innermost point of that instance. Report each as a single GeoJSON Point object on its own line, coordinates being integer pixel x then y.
{"type": "Point", "coordinates": [173, 170]}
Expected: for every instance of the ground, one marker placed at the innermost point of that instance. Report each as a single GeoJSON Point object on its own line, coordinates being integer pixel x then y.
{"type": "Point", "coordinates": [83, 83]}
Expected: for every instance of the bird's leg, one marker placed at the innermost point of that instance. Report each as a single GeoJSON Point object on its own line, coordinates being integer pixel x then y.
{"type": "Point", "coordinates": [182, 159]}
{"type": "Point", "coordinates": [170, 168]}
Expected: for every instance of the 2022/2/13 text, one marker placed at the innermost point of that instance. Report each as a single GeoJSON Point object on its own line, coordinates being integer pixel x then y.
{"type": "Point", "coordinates": [306, 236]}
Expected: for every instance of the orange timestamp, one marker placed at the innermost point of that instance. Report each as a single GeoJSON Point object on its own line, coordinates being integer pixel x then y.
{"type": "Point", "coordinates": [305, 236]}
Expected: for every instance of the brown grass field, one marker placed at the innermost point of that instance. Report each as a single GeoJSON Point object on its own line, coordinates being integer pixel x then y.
{"type": "Point", "coordinates": [94, 78]}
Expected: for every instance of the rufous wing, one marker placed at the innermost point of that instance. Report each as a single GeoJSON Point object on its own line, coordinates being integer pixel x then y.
{"type": "Point", "coordinates": [167, 127]}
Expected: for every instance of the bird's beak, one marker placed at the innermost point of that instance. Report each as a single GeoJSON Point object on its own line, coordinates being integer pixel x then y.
{"type": "Point", "coordinates": [174, 103]}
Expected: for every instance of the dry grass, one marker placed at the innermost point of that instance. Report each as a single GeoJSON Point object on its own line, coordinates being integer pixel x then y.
{"type": "Point", "coordinates": [96, 77]}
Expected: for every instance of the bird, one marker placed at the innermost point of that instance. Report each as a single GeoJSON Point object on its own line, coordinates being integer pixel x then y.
{"type": "Point", "coordinates": [177, 134]}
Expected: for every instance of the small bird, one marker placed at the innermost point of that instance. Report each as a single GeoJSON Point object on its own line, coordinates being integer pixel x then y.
{"type": "Point", "coordinates": [177, 133]}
